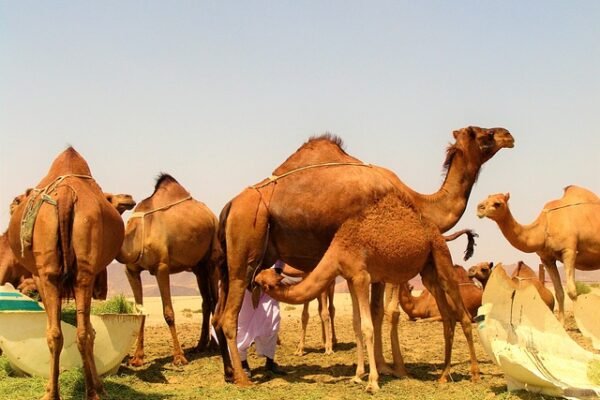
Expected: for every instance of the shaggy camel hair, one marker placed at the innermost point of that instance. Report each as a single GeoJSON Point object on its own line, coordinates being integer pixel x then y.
{"type": "Point", "coordinates": [293, 215]}
{"type": "Point", "coordinates": [77, 233]}
{"type": "Point", "coordinates": [386, 242]}
{"type": "Point", "coordinates": [170, 232]}
{"type": "Point", "coordinates": [566, 230]}
{"type": "Point", "coordinates": [424, 307]}
{"type": "Point", "coordinates": [522, 276]}
{"type": "Point", "coordinates": [326, 312]}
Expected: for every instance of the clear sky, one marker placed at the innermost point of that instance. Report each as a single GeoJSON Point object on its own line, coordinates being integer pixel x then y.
{"type": "Point", "coordinates": [218, 93]}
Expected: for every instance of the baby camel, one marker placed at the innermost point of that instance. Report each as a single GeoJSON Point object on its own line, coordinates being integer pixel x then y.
{"type": "Point", "coordinates": [386, 242]}
{"type": "Point", "coordinates": [425, 308]}
{"type": "Point", "coordinates": [522, 276]}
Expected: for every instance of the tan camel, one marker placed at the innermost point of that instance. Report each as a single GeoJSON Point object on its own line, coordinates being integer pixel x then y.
{"type": "Point", "coordinates": [326, 312]}
{"type": "Point", "coordinates": [77, 233]}
{"type": "Point", "coordinates": [522, 276]}
{"type": "Point", "coordinates": [386, 242]}
{"type": "Point", "coordinates": [170, 232]}
{"type": "Point", "coordinates": [424, 306]}
{"type": "Point", "coordinates": [294, 214]}
{"type": "Point", "coordinates": [13, 272]}
{"type": "Point", "coordinates": [566, 230]}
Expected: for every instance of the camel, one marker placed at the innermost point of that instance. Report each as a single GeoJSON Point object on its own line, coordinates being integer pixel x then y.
{"type": "Point", "coordinates": [326, 312]}
{"type": "Point", "coordinates": [386, 242]}
{"type": "Point", "coordinates": [522, 276]}
{"type": "Point", "coordinates": [294, 214]}
{"type": "Point", "coordinates": [66, 233]}
{"type": "Point", "coordinates": [170, 232]}
{"type": "Point", "coordinates": [566, 230]}
{"type": "Point", "coordinates": [13, 272]}
{"type": "Point", "coordinates": [424, 307]}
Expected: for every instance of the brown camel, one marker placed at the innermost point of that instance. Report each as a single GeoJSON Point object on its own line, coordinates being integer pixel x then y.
{"type": "Point", "coordinates": [386, 242]}
{"type": "Point", "coordinates": [326, 312]}
{"type": "Point", "coordinates": [424, 307]}
{"type": "Point", "coordinates": [77, 233]}
{"type": "Point", "coordinates": [522, 276]}
{"type": "Point", "coordinates": [170, 232]}
{"type": "Point", "coordinates": [13, 272]}
{"type": "Point", "coordinates": [566, 230]}
{"type": "Point", "coordinates": [295, 213]}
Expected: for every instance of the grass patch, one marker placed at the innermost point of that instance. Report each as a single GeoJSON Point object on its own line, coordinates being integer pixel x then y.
{"type": "Point", "coordinates": [582, 288]}
{"type": "Point", "coordinates": [115, 305]}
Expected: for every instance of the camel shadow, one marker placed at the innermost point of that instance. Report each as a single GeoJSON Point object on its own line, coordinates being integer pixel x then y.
{"type": "Point", "coordinates": [115, 391]}
{"type": "Point", "coordinates": [345, 346]}
{"type": "Point", "coordinates": [521, 394]}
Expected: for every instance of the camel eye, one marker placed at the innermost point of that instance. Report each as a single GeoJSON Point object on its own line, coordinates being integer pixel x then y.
{"type": "Point", "coordinates": [497, 204]}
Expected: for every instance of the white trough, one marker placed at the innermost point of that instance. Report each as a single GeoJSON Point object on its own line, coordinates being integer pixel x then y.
{"type": "Point", "coordinates": [524, 338]}
{"type": "Point", "coordinates": [23, 337]}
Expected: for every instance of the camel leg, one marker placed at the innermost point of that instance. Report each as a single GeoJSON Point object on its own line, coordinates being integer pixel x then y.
{"type": "Point", "coordinates": [360, 356]}
{"type": "Point", "coordinates": [135, 281]}
{"type": "Point", "coordinates": [392, 295]}
{"type": "Point", "coordinates": [86, 334]}
{"type": "Point", "coordinates": [54, 336]}
{"type": "Point", "coordinates": [377, 313]}
{"type": "Point", "coordinates": [325, 322]}
{"type": "Point", "coordinates": [360, 285]}
{"type": "Point", "coordinates": [304, 321]}
{"type": "Point", "coordinates": [444, 269]}
{"type": "Point", "coordinates": [558, 288]}
{"type": "Point", "coordinates": [229, 322]}
{"type": "Point", "coordinates": [331, 306]}
{"type": "Point", "coordinates": [568, 257]}
{"type": "Point", "coordinates": [164, 286]}
{"type": "Point", "coordinates": [207, 307]}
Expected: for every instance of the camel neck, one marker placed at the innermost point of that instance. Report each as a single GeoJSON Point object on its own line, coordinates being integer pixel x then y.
{"type": "Point", "coordinates": [526, 238]}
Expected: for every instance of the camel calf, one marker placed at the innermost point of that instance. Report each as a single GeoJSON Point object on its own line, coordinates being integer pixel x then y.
{"type": "Point", "coordinates": [522, 276]}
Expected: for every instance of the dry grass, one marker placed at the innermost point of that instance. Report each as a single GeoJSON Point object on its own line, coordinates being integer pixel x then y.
{"type": "Point", "coordinates": [312, 376]}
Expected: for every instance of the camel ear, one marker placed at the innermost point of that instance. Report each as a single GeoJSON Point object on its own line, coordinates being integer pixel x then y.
{"type": "Point", "coordinates": [491, 265]}
{"type": "Point", "coordinates": [455, 134]}
{"type": "Point", "coordinates": [109, 197]}
{"type": "Point", "coordinates": [507, 196]}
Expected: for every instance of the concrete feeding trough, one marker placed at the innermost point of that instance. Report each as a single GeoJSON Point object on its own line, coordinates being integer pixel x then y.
{"type": "Point", "coordinates": [524, 338]}
{"type": "Point", "coordinates": [23, 337]}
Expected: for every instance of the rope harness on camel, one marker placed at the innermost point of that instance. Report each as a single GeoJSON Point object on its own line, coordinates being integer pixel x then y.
{"type": "Point", "coordinates": [142, 214]}
{"type": "Point", "coordinates": [549, 210]}
{"type": "Point", "coordinates": [273, 179]}
{"type": "Point", "coordinates": [37, 197]}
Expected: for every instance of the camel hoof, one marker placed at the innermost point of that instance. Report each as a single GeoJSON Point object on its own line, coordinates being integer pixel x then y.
{"type": "Point", "coordinates": [328, 352]}
{"type": "Point", "coordinates": [385, 369]}
{"type": "Point", "coordinates": [372, 387]}
{"type": "Point", "coordinates": [243, 381]}
{"type": "Point", "coordinates": [357, 379]}
{"type": "Point", "coordinates": [299, 352]}
{"type": "Point", "coordinates": [136, 362]}
{"type": "Point", "coordinates": [443, 379]}
{"type": "Point", "coordinates": [179, 360]}
{"type": "Point", "coordinates": [401, 374]}
{"type": "Point", "coordinates": [50, 397]}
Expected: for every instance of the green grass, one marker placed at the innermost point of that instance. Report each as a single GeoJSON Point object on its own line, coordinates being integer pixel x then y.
{"type": "Point", "coordinates": [582, 288]}
{"type": "Point", "coordinates": [115, 305]}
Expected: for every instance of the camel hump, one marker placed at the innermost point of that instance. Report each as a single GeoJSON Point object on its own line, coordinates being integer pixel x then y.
{"type": "Point", "coordinates": [578, 193]}
{"type": "Point", "coordinates": [69, 162]}
{"type": "Point", "coordinates": [164, 179]}
{"type": "Point", "coordinates": [325, 148]}
{"type": "Point", "coordinates": [523, 270]}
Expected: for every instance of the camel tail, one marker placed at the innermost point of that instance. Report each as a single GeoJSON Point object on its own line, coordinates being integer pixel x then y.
{"type": "Point", "coordinates": [222, 266]}
{"type": "Point", "coordinates": [471, 235]}
{"type": "Point", "coordinates": [68, 262]}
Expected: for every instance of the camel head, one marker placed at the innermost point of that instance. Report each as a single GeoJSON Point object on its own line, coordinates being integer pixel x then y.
{"type": "Point", "coordinates": [122, 202]}
{"type": "Point", "coordinates": [494, 207]}
{"type": "Point", "coordinates": [481, 271]}
{"type": "Point", "coordinates": [268, 279]}
{"type": "Point", "coordinates": [18, 200]}
{"type": "Point", "coordinates": [484, 141]}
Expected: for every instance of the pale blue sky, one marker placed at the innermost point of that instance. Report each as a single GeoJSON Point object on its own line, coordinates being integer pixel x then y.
{"type": "Point", "coordinates": [220, 93]}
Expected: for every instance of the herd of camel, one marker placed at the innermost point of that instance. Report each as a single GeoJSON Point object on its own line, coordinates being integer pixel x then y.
{"type": "Point", "coordinates": [322, 211]}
